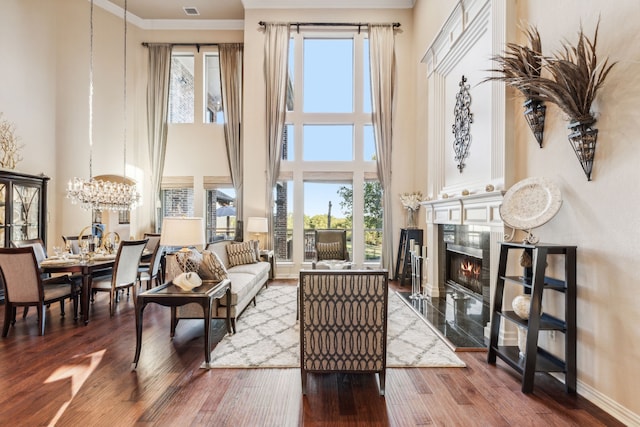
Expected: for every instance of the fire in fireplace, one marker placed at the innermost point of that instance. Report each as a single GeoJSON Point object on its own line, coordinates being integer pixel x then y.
{"type": "Point", "coordinates": [467, 262]}
{"type": "Point", "coordinates": [465, 268]}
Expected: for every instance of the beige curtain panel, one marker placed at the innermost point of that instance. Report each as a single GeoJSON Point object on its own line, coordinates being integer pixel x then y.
{"type": "Point", "coordinates": [157, 110]}
{"type": "Point", "coordinates": [276, 57]}
{"type": "Point", "coordinates": [382, 67]}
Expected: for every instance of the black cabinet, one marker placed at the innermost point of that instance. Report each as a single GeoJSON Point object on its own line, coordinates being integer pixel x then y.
{"type": "Point", "coordinates": [535, 282]}
{"type": "Point", "coordinates": [23, 208]}
{"type": "Point", "coordinates": [403, 262]}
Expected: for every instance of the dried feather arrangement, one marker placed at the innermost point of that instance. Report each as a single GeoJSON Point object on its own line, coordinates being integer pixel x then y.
{"type": "Point", "coordinates": [576, 76]}
{"type": "Point", "coordinates": [520, 67]}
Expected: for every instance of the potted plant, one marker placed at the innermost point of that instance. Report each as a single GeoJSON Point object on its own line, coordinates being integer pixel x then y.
{"type": "Point", "coordinates": [576, 77]}
{"type": "Point", "coordinates": [520, 67]}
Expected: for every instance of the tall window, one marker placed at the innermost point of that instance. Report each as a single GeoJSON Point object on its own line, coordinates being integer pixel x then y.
{"type": "Point", "coordinates": [328, 168]}
{"type": "Point", "coordinates": [177, 202]}
{"type": "Point", "coordinates": [181, 89]}
{"type": "Point", "coordinates": [191, 70]}
{"type": "Point", "coordinates": [221, 214]}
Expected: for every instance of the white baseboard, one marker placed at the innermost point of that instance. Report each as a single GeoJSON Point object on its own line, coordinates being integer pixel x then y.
{"type": "Point", "coordinates": [604, 402]}
{"type": "Point", "coordinates": [608, 405]}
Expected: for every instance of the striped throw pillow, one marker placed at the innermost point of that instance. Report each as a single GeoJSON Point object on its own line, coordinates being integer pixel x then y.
{"type": "Point", "coordinates": [241, 253]}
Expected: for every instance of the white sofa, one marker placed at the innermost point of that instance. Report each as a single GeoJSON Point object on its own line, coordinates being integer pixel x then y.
{"type": "Point", "coordinates": [246, 282]}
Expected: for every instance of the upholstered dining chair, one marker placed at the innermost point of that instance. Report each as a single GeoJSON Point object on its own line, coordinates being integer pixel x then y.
{"type": "Point", "coordinates": [23, 287]}
{"type": "Point", "coordinates": [330, 244]}
{"type": "Point", "coordinates": [41, 254]}
{"type": "Point", "coordinates": [150, 272]}
{"type": "Point", "coordinates": [152, 244]}
{"type": "Point", "coordinates": [72, 243]}
{"type": "Point", "coordinates": [124, 274]}
{"type": "Point", "coordinates": [153, 241]}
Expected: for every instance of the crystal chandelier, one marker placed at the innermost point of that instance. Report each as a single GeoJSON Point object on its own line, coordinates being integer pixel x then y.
{"type": "Point", "coordinates": [98, 194]}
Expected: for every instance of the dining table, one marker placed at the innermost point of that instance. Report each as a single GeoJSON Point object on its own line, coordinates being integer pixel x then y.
{"type": "Point", "coordinates": [95, 266]}
{"type": "Point", "coordinates": [87, 269]}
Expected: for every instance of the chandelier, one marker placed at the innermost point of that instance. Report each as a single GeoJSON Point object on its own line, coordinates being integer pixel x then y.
{"type": "Point", "coordinates": [98, 194]}
{"type": "Point", "coordinates": [101, 195]}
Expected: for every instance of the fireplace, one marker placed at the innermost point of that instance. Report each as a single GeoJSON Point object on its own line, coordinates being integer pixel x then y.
{"type": "Point", "coordinates": [466, 261]}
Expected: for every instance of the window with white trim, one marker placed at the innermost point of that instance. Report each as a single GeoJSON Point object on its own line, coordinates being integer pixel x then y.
{"type": "Point", "coordinates": [329, 154]}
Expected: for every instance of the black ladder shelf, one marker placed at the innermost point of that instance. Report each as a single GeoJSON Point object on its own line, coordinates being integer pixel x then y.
{"type": "Point", "coordinates": [403, 262]}
{"type": "Point", "coordinates": [534, 281]}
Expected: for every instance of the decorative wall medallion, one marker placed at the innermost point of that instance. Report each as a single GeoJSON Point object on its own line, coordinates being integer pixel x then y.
{"type": "Point", "coordinates": [463, 120]}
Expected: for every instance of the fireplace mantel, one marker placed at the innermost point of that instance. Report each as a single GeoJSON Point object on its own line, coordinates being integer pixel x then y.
{"type": "Point", "coordinates": [477, 209]}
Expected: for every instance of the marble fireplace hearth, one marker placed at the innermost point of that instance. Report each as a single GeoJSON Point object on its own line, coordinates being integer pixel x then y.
{"type": "Point", "coordinates": [457, 317]}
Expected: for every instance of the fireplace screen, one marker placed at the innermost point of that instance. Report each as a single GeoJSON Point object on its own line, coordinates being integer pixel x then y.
{"type": "Point", "coordinates": [465, 269]}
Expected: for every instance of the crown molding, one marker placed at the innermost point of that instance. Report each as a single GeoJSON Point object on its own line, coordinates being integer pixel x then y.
{"type": "Point", "coordinates": [328, 4]}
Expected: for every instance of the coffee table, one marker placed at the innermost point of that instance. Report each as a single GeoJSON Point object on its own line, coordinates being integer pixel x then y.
{"type": "Point", "coordinates": [169, 295]}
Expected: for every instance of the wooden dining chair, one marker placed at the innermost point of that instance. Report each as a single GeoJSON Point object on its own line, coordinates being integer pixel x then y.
{"type": "Point", "coordinates": [41, 254]}
{"type": "Point", "coordinates": [152, 245]}
{"type": "Point", "coordinates": [124, 274]}
{"type": "Point", "coordinates": [153, 241]}
{"type": "Point", "coordinates": [150, 272]}
{"type": "Point", "coordinates": [72, 243]}
{"type": "Point", "coordinates": [23, 287]}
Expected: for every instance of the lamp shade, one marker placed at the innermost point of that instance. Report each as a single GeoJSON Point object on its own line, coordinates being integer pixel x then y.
{"type": "Point", "coordinates": [182, 231]}
{"type": "Point", "coordinates": [257, 225]}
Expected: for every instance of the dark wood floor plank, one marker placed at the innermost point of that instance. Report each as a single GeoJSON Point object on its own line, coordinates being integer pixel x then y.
{"type": "Point", "coordinates": [81, 375]}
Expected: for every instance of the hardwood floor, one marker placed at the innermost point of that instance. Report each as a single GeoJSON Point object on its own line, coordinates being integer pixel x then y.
{"type": "Point", "coordinates": [78, 375]}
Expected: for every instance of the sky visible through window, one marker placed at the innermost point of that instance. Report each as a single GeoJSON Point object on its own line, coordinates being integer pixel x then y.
{"type": "Point", "coordinates": [328, 87]}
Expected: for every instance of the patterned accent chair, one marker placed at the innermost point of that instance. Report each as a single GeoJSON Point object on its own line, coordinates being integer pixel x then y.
{"type": "Point", "coordinates": [343, 322]}
{"type": "Point", "coordinates": [330, 245]}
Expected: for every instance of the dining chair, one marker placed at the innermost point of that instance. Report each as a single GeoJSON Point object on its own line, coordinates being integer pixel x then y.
{"type": "Point", "coordinates": [150, 272]}
{"type": "Point", "coordinates": [72, 243]}
{"type": "Point", "coordinates": [124, 274]}
{"type": "Point", "coordinates": [23, 287]}
{"type": "Point", "coordinates": [153, 241]}
{"type": "Point", "coordinates": [41, 254]}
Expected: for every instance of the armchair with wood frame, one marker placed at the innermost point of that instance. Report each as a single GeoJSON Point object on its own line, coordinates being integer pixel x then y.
{"type": "Point", "coordinates": [330, 244]}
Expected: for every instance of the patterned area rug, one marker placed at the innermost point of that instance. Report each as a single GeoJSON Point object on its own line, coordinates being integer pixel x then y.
{"type": "Point", "coordinates": [269, 336]}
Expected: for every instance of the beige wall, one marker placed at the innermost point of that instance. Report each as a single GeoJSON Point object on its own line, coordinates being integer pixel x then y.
{"type": "Point", "coordinates": [28, 92]}
{"type": "Point", "coordinates": [600, 217]}
{"type": "Point", "coordinates": [44, 92]}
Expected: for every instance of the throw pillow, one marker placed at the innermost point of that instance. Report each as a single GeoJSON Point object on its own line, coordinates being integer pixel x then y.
{"type": "Point", "coordinates": [241, 253]}
{"type": "Point", "coordinates": [189, 262]}
{"type": "Point", "coordinates": [331, 250]}
{"type": "Point", "coordinates": [256, 247]}
{"type": "Point", "coordinates": [212, 267]}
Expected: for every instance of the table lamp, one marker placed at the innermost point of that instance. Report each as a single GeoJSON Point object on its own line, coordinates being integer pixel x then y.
{"type": "Point", "coordinates": [257, 225]}
{"type": "Point", "coordinates": [182, 232]}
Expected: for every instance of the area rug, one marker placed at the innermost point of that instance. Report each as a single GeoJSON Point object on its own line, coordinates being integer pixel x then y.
{"type": "Point", "coordinates": [268, 336]}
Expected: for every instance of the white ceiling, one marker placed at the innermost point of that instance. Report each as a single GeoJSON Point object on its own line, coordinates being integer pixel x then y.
{"type": "Point", "coordinates": [151, 10]}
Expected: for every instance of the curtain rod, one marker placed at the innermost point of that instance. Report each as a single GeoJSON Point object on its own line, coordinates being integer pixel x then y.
{"type": "Point", "coordinates": [197, 45]}
{"type": "Point", "coordinates": [329, 24]}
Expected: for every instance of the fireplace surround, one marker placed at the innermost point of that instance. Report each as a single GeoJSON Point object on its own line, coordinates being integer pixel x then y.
{"type": "Point", "coordinates": [467, 259]}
